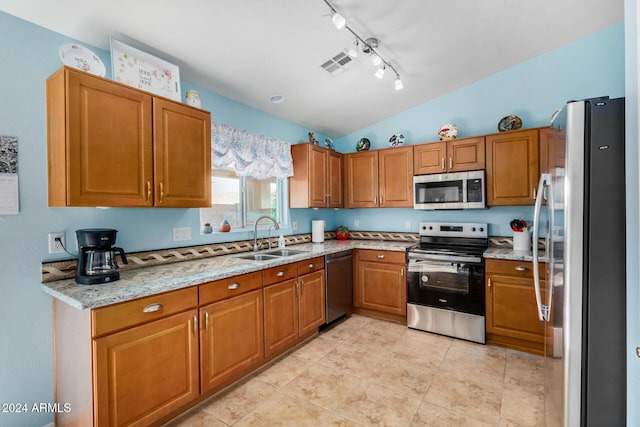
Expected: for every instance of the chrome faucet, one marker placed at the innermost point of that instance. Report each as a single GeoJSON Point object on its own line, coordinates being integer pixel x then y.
{"type": "Point", "coordinates": [255, 230]}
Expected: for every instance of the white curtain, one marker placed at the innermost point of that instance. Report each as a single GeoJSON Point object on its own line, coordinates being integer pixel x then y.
{"type": "Point", "coordinates": [252, 155]}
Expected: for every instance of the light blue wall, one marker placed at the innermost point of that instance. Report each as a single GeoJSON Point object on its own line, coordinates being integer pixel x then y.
{"type": "Point", "coordinates": [632, 32]}
{"type": "Point", "coordinates": [533, 90]}
{"type": "Point", "coordinates": [29, 54]}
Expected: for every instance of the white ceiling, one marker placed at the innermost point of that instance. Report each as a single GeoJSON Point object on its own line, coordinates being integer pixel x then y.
{"type": "Point", "coordinates": [248, 50]}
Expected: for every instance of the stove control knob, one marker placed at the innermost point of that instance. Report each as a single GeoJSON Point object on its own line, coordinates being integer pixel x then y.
{"type": "Point", "coordinates": [430, 228]}
{"type": "Point", "coordinates": [425, 279]}
{"type": "Point", "coordinates": [481, 229]}
{"type": "Point", "coordinates": [473, 229]}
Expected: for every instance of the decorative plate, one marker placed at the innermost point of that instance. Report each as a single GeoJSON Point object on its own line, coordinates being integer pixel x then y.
{"type": "Point", "coordinates": [329, 143]}
{"type": "Point", "coordinates": [509, 123]}
{"type": "Point", "coordinates": [448, 131]}
{"type": "Point", "coordinates": [76, 56]}
{"type": "Point", "coordinates": [396, 140]}
{"type": "Point", "coordinates": [363, 144]}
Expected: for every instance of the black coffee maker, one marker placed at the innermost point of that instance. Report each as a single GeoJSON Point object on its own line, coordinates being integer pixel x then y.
{"type": "Point", "coordinates": [97, 256]}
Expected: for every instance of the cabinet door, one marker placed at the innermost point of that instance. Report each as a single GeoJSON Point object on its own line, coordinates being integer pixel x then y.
{"type": "Point", "coordinates": [512, 168]}
{"type": "Point", "coordinates": [334, 180]}
{"type": "Point", "coordinates": [312, 296]}
{"type": "Point", "coordinates": [382, 287]}
{"type": "Point", "coordinates": [144, 373]}
{"type": "Point", "coordinates": [511, 308]}
{"type": "Point", "coordinates": [317, 177]}
{"type": "Point", "coordinates": [466, 154]}
{"type": "Point", "coordinates": [280, 316]}
{"type": "Point", "coordinates": [108, 153]}
{"type": "Point", "coordinates": [182, 155]}
{"type": "Point", "coordinates": [396, 177]}
{"type": "Point", "coordinates": [361, 179]}
{"type": "Point", "coordinates": [231, 340]}
{"type": "Point", "coordinates": [429, 158]}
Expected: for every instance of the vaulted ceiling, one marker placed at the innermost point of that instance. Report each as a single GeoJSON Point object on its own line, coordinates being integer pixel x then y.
{"type": "Point", "coordinates": [249, 50]}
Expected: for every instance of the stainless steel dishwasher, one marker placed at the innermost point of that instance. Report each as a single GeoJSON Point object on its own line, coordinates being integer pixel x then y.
{"type": "Point", "coordinates": [338, 284]}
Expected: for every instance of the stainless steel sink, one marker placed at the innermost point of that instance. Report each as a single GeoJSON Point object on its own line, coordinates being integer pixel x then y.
{"type": "Point", "coordinates": [259, 257]}
{"type": "Point", "coordinates": [285, 252]}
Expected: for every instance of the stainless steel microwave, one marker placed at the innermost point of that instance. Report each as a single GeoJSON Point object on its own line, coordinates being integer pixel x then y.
{"type": "Point", "coordinates": [458, 190]}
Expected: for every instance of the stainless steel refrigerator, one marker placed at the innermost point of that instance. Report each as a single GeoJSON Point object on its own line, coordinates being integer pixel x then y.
{"type": "Point", "coordinates": [581, 206]}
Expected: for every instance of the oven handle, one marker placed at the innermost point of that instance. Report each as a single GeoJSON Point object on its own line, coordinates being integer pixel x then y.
{"type": "Point", "coordinates": [450, 258]}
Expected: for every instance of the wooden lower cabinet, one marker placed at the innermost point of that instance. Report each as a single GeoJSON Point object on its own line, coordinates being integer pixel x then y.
{"type": "Point", "coordinates": [511, 312]}
{"type": "Point", "coordinates": [231, 339]}
{"type": "Point", "coordinates": [312, 298]}
{"type": "Point", "coordinates": [147, 372]}
{"type": "Point", "coordinates": [380, 283]}
{"type": "Point", "coordinates": [280, 316]}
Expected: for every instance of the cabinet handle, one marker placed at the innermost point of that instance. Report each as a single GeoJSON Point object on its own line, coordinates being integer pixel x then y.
{"type": "Point", "coordinates": [301, 287]}
{"type": "Point", "coordinates": [402, 272]}
{"type": "Point", "coordinates": [280, 273]}
{"type": "Point", "coordinates": [522, 268]}
{"type": "Point", "coordinates": [489, 282]}
{"type": "Point", "coordinates": [233, 286]}
{"type": "Point", "coordinates": [148, 191]}
{"type": "Point", "coordinates": [161, 193]}
{"type": "Point", "coordinates": [312, 265]}
{"type": "Point", "coordinates": [152, 307]}
{"type": "Point", "coordinates": [206, 320]}
{"type": "Point", "coordinates": [381, 199]}
{"type": "Point", "coordinates": [195, 325]}
{"type": "Point", "coordinates": [375, 201]}
{"type": "Point", "coordinates": [442, 163]}
{"type": "Point", "coordinates": [381, 256]}
{"type": "Point", "coordinates": [450, 162]}
{"type": "Point", "coordinates": [297, 288]}
{"type": "Point", "coordinates": [533, 193]}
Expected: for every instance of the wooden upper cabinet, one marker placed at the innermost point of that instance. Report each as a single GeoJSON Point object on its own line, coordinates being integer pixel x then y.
{"type": "Point", "coordinates": [317, 177]}
{"type": "Point", "coordinates": [449, 156]}
{"type": "Point", "coordinates": [396, 177]}
{"type": "Point", "coordinates": [361, 176]}
{"type": "Point", "coordinates": [379, 178]}
{"type": "Point", "coordinates": [106, 141]}
{"type": "Point", "coordinates": [99, 142]}
{"type": "Point", "coordinates": [182, 155]}
{"type": "Point", "coordinates": [512, 167]}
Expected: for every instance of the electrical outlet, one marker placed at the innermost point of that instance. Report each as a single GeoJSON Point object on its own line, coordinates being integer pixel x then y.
{"type": "Point", "coordinates": [294, 225]}
{"type": "Point", "coordinates": [356, 223]}
{"type": "Point", "coordinates": [181, 234]}
{"type": "Point", "coordinates": [56, 246]}
{"type": "Point", "coordinates": [407, 225]}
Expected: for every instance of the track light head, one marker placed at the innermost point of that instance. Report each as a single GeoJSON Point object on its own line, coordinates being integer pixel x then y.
{"type": "Point", "coordinates": [375, 60]}
{"type": "Point", "coordinates": [353, 50]}
{"type": "Point", "coordinates": [399, 84]}
{"type": "Point", "coordinates": [338, 20]}
{"type": "Point", "coordinates": [369, 44]}
{"type": "Point", "coordinates": [380, 73]}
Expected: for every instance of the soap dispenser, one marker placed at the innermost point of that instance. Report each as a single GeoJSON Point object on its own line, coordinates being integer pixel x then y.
{"type": "Point", "coordinates": [281, 242]}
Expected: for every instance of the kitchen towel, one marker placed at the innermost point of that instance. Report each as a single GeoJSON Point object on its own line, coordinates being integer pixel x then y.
{"type": "Point", "coordinates": [317, 231]}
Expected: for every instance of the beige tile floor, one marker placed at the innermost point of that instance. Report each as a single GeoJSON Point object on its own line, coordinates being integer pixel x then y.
{"type": "Point", "coordinates": [368, 372]}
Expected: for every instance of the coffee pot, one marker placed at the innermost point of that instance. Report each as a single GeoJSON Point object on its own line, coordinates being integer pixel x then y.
{"type": "Point", "coordinates": [97, 256]}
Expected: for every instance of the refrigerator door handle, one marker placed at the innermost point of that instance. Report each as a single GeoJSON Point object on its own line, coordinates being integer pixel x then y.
{"type": "Point", "coordinates": [544, 178]}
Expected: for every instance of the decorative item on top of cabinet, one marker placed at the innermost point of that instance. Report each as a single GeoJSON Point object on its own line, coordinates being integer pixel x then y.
{"type": "Point", "coordinates": [448, 131]}
{"type": "Point", "coordinates": [509, 123]}
{"type": "Point", "coordinates": [329, 143]}
{"type": "Point", "coordinates": [396, 140]}
{"type": "Point", "coordinates": [380, 286]}
{"type": "Point", "coordinates": [158, 155]}
{"type": "Point", "coordinates": [511, 311]}
{"type": "Point", "coordinates": [458, 155]}
{"type": "Point", "coordinates": [512, 167]}
{"type": "Point", "coordinates": [363, 144]}
{"type": "Point", "coordinates": [379, 178]}
{"type": "Point", "coordinates": [313, 139]}
{"type": "Point", "coordinates": [317, 177]}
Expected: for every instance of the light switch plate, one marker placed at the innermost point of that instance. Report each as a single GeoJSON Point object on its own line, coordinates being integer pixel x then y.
{"type": "Point", "coordinates": [181, 234]}
{"type": "Point", "coordinates": [356, 223]}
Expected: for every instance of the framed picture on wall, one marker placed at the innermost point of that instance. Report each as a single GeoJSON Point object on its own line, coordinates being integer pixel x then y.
{"type": "Point", "coordinates": [141, 70]}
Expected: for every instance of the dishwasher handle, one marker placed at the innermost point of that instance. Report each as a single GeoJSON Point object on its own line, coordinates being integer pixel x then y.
{"type": "Point", "coordinates": [342, 258]}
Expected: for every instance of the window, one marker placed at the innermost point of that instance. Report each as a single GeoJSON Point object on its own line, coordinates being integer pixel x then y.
{"type": "Point", "coordinates": [241, 200]}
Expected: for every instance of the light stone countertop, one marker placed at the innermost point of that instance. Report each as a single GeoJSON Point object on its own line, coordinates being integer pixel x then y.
{"type": "Point", "coordinates": [510, 254]}
{"type": "Point", "coordinates": [149, 281]}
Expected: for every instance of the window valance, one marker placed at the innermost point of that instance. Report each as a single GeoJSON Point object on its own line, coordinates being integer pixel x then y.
{"type": "Point", "coordinates": [252, 155]}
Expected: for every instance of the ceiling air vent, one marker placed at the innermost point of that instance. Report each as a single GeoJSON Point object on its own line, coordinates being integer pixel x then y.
{"type": "Point", "coordinates": [337, 63]}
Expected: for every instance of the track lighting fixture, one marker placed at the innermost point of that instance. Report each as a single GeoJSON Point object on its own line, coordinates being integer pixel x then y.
{"type": "Point", "coordinates": [368, 46]}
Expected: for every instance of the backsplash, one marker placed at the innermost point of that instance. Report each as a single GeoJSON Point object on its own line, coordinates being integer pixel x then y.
{"type": "Point", "coordinates": [66, 269]}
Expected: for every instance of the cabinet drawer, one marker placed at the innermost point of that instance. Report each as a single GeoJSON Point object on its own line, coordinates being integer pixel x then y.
{"type": "Point", "coordinates": [513, 268]}
{"type": "Point", "coordinates": [119, 316]}
{"type": "Point", "coordinates": [279, 273]}
{"type": "Point", "coordinates": [392, 257]}
{"type": "Point", "coordinates": [231, 286]}
{"type": "Point", "coordinates": [310, 265]}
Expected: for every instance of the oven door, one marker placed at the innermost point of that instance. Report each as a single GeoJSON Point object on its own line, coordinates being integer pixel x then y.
{"type": "Point", "coordinates": [452, 283]}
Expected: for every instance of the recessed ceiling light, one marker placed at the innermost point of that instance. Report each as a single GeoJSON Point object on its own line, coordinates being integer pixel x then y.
{"type": "Point", "coordinates": [276, 99]}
